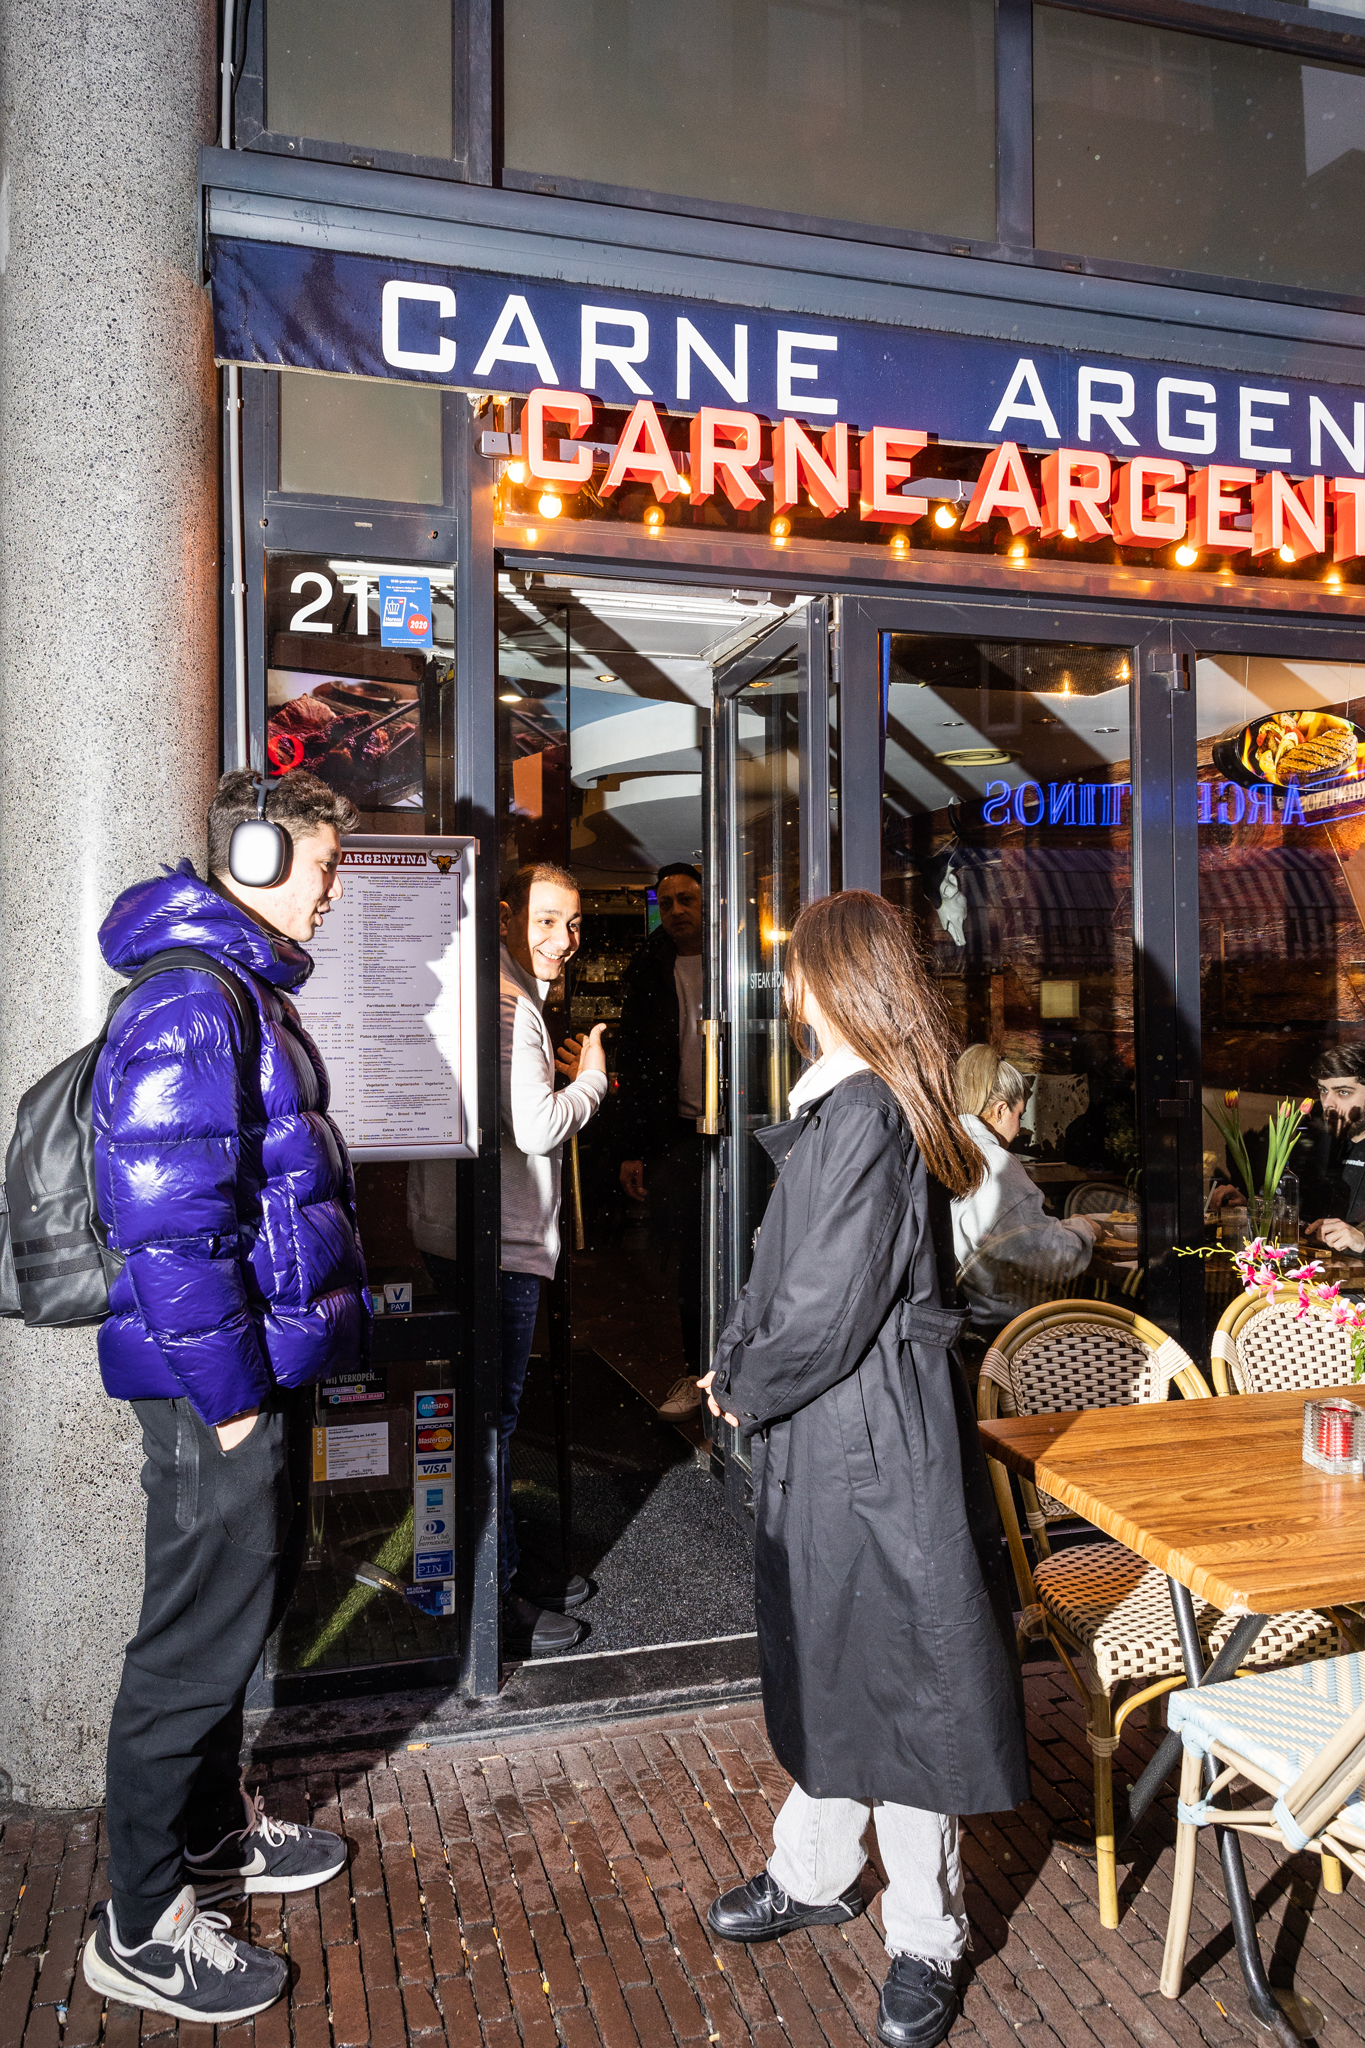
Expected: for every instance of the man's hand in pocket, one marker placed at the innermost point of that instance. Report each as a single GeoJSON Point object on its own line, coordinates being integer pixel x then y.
{"type": "Point", "coordinates": [237, 1428]}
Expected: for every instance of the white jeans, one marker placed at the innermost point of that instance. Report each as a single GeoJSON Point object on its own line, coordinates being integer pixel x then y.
{"type": "Point", "coordinates": [818, 1853]}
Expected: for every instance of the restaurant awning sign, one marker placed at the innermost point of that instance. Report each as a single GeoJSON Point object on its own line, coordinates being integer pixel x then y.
{"type": "Point", "coordinates": [351, 315]}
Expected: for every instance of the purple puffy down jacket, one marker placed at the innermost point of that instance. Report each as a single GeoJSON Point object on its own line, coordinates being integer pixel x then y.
{"type": "Point", "coordinates": [229, 1193]}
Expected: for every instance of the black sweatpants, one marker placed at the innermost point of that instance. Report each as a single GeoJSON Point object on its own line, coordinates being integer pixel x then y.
{"type": "Point", "coordinates": [225, 1536]}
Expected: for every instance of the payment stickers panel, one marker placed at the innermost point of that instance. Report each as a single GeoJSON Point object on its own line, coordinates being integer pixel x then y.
{"type": "Point", "coordinates": [433, 1475]}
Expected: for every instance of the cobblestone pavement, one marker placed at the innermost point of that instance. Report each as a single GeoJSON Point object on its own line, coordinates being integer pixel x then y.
{"type": "Point", "coordinates": [557, 1893]}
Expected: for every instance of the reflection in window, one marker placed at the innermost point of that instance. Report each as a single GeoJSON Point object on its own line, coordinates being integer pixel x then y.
{"type": "Point", "coordinates": [1007, 838]}
{"type": "Point", "coordinates": [1181, 152]}
{"type": "Point", "coordinates": [373, 73]}
{"type": "Point", "coordinates": [1281, 797]}
{"type": "Point", "coordinates": [353, 437]}
{"type": "Point", "coordinates": [799, 106]}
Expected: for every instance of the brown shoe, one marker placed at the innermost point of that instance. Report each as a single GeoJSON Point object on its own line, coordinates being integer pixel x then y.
{"type": "Point", "coordinates": [684, 1398]}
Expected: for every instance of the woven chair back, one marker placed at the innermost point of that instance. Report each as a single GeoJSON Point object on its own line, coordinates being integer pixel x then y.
{"type": "Point", "coordinates": [1096, 1198]}
{"type": "Point", "coordinates": [1271, 1347]}
{"type": "Point", "coordinates": [1070, 1356]}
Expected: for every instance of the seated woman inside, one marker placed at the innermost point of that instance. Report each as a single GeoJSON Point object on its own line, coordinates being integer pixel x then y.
{"type": "Point", "coordinates": [1010, 1252]}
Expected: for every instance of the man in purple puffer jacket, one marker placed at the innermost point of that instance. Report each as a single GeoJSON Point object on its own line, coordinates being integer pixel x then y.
{"type": "Point", "coordinates": [226, 1185]}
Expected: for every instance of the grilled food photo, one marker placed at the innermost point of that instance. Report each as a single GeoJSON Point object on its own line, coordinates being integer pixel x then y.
{"type": "Point", "coordinates": [1302, 746]}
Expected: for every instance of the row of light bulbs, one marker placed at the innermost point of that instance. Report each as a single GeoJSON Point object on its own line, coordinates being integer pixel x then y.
{"type": "Point", "coordinates": [549, 505]}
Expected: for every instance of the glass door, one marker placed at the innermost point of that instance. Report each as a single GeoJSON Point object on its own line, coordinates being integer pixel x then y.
{"type": "Point", "coordinates": [1011, 785]}
{"type": "Point", "coordinates": [770, 827]}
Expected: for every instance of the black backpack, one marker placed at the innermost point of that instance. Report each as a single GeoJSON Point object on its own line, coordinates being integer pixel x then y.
{"type": "Point", "coordinates": [55, 1262]}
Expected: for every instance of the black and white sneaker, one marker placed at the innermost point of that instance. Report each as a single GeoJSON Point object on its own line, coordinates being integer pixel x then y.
{"type": "Point", "coordinates": [190, 1968]}
{"type": "Point", "coordinates": [266, 1856]}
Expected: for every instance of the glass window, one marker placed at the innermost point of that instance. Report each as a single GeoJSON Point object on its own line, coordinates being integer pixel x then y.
{"type": "Point", "coordinates": [1281, 900]}
{"type": "Point", "coordinates": [351, 437]}
{"type": "Point", "coordinates": [374, 73]}
{"type": "Point", "coordinates": [860, 110]}
{"type": "Point", "coordinates": [1007, 838]}
{"type": "Point", "coordinates": [1184, 153]}
{"type": "Point", "coordinates": [363, 715]}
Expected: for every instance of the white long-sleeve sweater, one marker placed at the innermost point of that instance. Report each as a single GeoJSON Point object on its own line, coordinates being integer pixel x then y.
{"type": "Point", "coordinates": [1010, 1252]}
{"type": "Point", "coordinates": [536, 1122]}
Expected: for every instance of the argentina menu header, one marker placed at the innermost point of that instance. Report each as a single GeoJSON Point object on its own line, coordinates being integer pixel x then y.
{"type": "Point", "coordinates": [304, 309]}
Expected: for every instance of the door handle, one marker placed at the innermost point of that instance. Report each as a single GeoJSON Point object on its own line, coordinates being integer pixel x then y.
{"type": "Point", "coordinates": [709, 1126]}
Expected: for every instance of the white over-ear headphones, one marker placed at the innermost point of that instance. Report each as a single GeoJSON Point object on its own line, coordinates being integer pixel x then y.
{"type": "Point", "coordinates": [260, 851]}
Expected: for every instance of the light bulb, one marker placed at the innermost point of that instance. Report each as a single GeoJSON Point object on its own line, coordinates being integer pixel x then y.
{"type": "Point", "coordinates": [549, 505]}
{"type": "Point", "coordinates": [1186, 555]}
{"type": "Point", "coordinates": [508, 697]}
{"type": "Point", "coordinates": [516, 472]}
{"type": "Point", "coordinates": [780, 529]}
{"type": "Point", "coordinates": [530, 535]}
{"type": "Point", "coordinates": [900, 542]}
{"type": "Point", "coordinates": [1286, 553]}
{"type": "Point", "coordinates": [654, 518]}
{"type": "Point", "coordinates": [945, 517]}
{"type": "Point", "coordinates": [1069, 530]}
{"type": "Point", "coordinates": [1018, 552]}
{"type": "Point", "coordinates": [1333, 579]}
{"type": "Point", "coordinates": [685, 486]}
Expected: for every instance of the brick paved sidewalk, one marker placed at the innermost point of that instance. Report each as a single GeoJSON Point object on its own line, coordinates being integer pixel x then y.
{"type": "Point", "coordinates": [557, 1893]}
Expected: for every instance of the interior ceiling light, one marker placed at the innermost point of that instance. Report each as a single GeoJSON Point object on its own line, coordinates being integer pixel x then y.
{"type": "Point", "coordinates": [550, 505]}
{"type": "Point", "coordinates": [945, 517]}
{"type": "Point", "coordinates": [1186, 555]}
{"type": "Point", "coordinates": [508, 697]}
{"type": "Point", "coordinates": [974, 757]}
{"type": "Point", "coordinates": [606, 679]}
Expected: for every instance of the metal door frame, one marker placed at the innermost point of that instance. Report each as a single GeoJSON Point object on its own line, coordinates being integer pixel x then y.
{"type": "Point", "coordinates": [806, 634]}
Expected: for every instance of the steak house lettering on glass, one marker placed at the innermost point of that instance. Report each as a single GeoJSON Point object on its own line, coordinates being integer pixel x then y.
{"type": "Point", "coordinates": [1085, 804]}
{"type": "Point", "coordinates": [1148, 502]}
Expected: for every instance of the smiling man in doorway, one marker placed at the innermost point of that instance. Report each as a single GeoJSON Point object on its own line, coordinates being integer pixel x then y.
{"type": "Point", "coordinates": [542, 922]}
{"type": "Point", "coordinates": [661, 1070]}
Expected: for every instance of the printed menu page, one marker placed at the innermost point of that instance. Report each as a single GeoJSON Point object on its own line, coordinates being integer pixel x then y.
{"type": "Point", "coordinates": [390, 1002]}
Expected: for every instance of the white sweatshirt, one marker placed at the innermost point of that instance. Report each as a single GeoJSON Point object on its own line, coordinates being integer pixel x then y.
{"type": "Point", "coordinates": [1010, 1253]}
{"type": "Point", "coordinates": [536, 1121]}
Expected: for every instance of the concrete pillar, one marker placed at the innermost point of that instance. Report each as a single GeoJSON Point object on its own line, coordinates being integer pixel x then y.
{"type": "Point", "coordinates": [108, 728]}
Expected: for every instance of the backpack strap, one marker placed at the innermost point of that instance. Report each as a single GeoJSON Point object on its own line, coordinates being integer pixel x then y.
{"type": "Point", "coordinates": [204, 963]}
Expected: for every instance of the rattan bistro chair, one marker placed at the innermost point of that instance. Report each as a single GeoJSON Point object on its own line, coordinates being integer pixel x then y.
{"type": "Point", "coordinates": [1105, 1612]}
{"type": "Point", "coordinates": [1264, 1345]}
{"type": "Point", "coordinates": [1297, 1735]}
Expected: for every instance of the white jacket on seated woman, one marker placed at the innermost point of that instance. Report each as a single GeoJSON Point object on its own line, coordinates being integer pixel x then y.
{"type": "Point", "coordinates": [1010, 1253]}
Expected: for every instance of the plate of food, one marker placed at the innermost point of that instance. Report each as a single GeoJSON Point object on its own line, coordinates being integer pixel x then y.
{"type": "Point", "coordinates": [1303, 747]}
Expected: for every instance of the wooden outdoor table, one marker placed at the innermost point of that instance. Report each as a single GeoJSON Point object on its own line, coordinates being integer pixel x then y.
{"type": "Point", "coordinates": [1216, 1495]}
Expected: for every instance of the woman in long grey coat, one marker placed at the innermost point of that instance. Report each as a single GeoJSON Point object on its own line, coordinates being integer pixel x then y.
{"type": "Point", "coordinates": [885, 1639]}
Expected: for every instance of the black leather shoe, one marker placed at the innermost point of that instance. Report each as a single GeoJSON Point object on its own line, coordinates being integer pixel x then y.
{"type": "Point", "coordinates": [529, 1631]}
{"type": "Point", "coordinates": [545, 1585]}
{"type": "Point", "coordinates": [918, 2004]}
{"type": "Point", "coordinates": [760, 1910]}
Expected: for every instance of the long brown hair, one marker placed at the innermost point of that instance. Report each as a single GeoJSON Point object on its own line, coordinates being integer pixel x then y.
{"type": "Point", "coordinates": [856, 957]}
